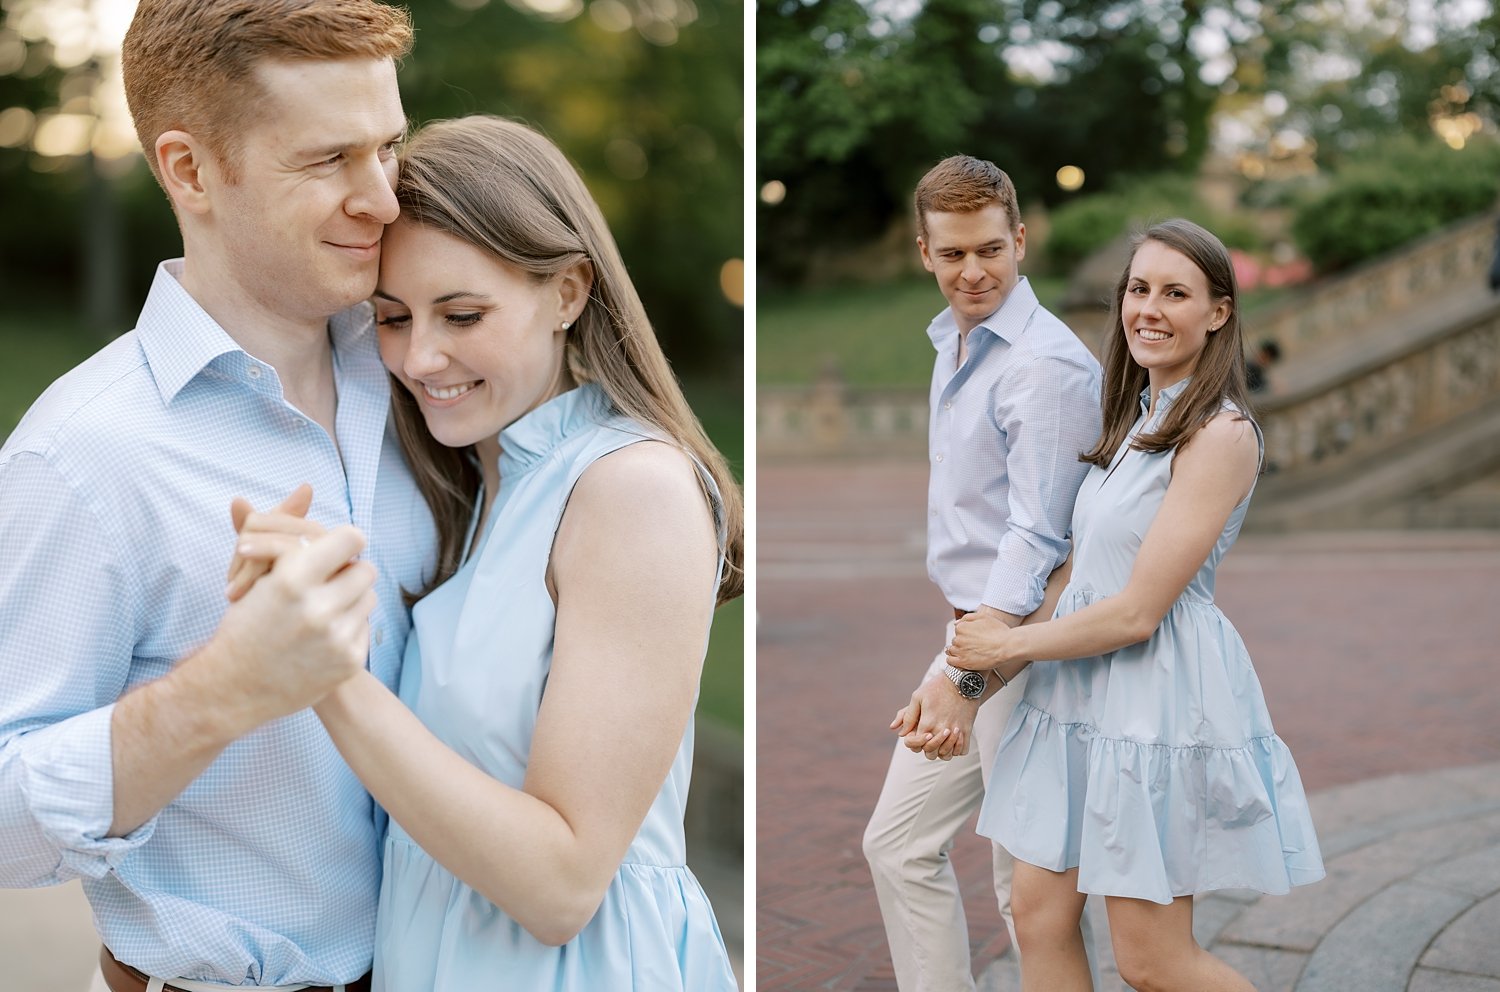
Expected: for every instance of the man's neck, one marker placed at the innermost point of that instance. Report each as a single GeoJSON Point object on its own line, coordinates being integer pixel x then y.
{"type": "Point", "coordinates": [297, 348]}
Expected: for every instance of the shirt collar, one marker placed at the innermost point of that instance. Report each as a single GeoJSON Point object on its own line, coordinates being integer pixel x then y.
{"type": "Point", "coordinates": [1008, 322]}
{"type": "Point", "coordinates": [180, 339]}
{"type": "Point", "coordinates": [1168, 395]}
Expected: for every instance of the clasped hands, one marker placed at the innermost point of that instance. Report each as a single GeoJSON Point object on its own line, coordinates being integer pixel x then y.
{"type": "Point", "coordinates": [300, 605]}
{"type": "Point", "coordinates": [938, 722]}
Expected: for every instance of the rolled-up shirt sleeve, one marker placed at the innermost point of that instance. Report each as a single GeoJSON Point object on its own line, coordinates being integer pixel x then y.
{"type": "Point", "coordinates": [1049, 411]}
{"type": "Point", "coordinates": [66, 636]}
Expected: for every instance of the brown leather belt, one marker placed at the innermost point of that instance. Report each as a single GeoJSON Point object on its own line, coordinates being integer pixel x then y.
{"type": "Point", "coordinates": [960, 614]}
{"type": "Point", "coordinates": [123, 978]}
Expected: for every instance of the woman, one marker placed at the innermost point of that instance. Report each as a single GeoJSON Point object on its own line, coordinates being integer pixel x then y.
{"type": "Point", "coordinates": [537, 771]}
{"type": "Point", "coordinates": [1172, 779]}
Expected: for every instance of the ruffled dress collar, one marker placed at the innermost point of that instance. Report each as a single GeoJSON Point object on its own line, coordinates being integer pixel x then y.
{"type": "Point", "coordinates": [528, 441]}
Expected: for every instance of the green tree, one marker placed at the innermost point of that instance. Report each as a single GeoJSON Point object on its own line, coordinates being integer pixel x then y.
{"type": "Point", "coordinates": [646, 98]}
{"type": "Point", "coordinates": [854, 103]}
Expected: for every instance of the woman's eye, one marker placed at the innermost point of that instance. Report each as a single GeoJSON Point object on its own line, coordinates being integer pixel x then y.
{"type": "Point", "coordinates": [465, 319]}
{"type": "Point", "coordinates": [393, 320]}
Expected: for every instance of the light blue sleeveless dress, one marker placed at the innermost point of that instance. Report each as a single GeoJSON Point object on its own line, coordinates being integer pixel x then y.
{"type": "Point", "coordinates": [475, 669]}
{"type": "Point", "coordinates": [1154, 769]}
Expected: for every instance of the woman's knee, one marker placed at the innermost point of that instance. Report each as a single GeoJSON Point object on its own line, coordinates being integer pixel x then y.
{"type": "Point", "coordinates": [1045, 906]}
{"type": "Point", "coordinates": [1153, 945]}
{"type": "Point", "coordinates": [1138, 968]}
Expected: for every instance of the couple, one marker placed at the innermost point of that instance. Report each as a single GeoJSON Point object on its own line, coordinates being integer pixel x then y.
{"type": "Point", "coordinates": [522, 465]}
{"type": "Point", "coordinates": [1143, 768]}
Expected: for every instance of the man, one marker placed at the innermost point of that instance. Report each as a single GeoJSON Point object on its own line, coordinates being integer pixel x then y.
{"type": "Point", "coordinates": [1258, 365]}
{"type": "Point", "coordinates": [152, 742]}
{"type": "Point", "coordinates": [1014, 402]}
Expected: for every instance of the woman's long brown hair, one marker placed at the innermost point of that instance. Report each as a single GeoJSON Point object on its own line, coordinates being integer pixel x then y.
{"type": "Point", "coordinates": [502, 187]}
{"type": "Point", "coordinates": [1218, 376]}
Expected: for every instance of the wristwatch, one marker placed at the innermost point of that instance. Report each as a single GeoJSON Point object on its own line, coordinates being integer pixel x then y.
{"type": "Point", "coordinates": [970, 684]}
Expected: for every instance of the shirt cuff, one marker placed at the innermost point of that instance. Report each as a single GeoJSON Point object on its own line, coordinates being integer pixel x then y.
{"type": "Point", "coordinates": [1016, 594]}
{"type": "Point", "coordinates": [69, 785]}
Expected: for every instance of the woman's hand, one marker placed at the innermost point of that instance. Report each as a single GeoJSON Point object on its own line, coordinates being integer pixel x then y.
{"type": "Point", "coordinates": [265, 537]}
{"type": "Point", "coordinates": [981, 643]}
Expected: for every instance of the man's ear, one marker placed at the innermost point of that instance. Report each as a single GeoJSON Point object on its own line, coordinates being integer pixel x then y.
{"type": "Point", "coordinates": [926, 258]}
{"type": "Point", "coordinates": [186, 169]}
{"type": "Point", "coordinates": [573, 288]}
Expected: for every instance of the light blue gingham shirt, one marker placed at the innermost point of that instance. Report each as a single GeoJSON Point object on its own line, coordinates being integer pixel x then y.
{"type": "Point", "coordinates": [1004, 438]}
{"type": "Point", "coordinates": [115, 540]}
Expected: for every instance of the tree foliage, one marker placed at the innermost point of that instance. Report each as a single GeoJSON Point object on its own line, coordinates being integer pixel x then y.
{"type": "Point", "coordinates": [1404, 191]}
{"type": "Point", "coordinates": [854, 103]}
{"type": "Point", "coordinates": [1346, 75]}
{"type": "Point", "coordinates": [649, 107]}
{"type": "Point", "coordinates": [857, 99]}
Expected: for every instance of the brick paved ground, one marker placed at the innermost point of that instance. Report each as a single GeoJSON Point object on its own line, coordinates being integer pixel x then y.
{"type": "Point", "coordinates": [1376, 652]}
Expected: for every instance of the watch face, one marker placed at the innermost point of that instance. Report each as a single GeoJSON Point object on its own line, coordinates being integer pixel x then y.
{"type": "Point", "coordinates": [971, 685]}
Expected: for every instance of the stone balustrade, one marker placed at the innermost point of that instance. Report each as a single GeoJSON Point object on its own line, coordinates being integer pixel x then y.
{"type": "Point", "coordinates": [1328, 312]}
{"type": "Point", "coordinates": [831, 418]}
{"type": "Point", "coordinates": [1371, 409]}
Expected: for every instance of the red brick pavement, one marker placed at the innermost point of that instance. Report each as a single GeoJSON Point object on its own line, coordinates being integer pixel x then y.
{"type": "Point", "coordinates": [1376, 653]}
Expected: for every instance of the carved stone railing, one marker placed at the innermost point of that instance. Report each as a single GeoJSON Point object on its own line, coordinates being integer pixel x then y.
{"type": "Point", "coordinates": [830, 418]}
{"type": "Point", "coordinates": [1439, 379]}
{"type": "Point", "coordinates": [1332, 310]}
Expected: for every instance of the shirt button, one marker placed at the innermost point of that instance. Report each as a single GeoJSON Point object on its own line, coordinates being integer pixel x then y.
{"type": "Point", "coordinates": [254, 372]}
{"type": "Point", "coordinates": [301, 422]}
{"type": "Point", "coordinates": [938, 457]}
{"type": "Point", "coordinates": [379, 636]}
{"type": "Point", "coordinates": [948, 405]}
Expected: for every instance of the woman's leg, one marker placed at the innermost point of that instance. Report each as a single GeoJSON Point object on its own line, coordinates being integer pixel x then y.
{"type": "Point", "coordinates": [1155, 950]}
{"type": "Point", "coordinates": [1047, 907]}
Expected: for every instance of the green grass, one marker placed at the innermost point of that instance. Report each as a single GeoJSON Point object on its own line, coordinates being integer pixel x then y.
{"type": "Point", "coordinates": [41, 347]}
{"type": "Point", "coordinates": [874, 335]}
{"type": "Point", "coordinates": [38, 348]}
{"type": "Point", "coordinates": [722, 696]}
{"type": "Point", "coordinates": [720, 406]}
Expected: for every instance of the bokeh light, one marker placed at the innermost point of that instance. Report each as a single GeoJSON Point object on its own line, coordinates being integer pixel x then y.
{"type": "Point", "coordinates": [1070, 178]}
{"type": "Point", "coordinates": [732, 281]}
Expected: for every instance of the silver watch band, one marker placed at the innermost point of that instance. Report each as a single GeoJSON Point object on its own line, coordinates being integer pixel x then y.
{"type": "Point", "coordinates": [955, 675]}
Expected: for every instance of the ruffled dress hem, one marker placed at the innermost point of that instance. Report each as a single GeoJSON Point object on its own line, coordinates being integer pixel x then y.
{"type": "Point", "coordinates": [1156, 821]}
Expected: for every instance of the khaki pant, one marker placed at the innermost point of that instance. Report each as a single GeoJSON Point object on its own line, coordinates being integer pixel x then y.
{"type": "Point", "coordinates": [921, 809]}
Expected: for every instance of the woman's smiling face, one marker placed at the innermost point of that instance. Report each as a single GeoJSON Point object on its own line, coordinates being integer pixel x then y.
{"type": "Point", "coordinates": [1168, 312]}
{"type": "Point", "coordinates": [476, 340]}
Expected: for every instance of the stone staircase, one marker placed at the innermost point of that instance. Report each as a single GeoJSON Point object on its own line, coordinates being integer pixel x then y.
{"type": "Point", "coordinates": [1384, 410]}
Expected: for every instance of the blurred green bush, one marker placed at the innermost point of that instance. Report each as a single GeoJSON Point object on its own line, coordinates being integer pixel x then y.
{"type": "Point", "coordinates": [1400, 191]}
{"type": "Point", "coordinates": [1090, 222]}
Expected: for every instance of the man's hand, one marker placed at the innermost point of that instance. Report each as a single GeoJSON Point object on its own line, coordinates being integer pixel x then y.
{"type": "Point", "coordinates": [299, 631]}
{"type": "Point", "coordinates": [938, 721]}
{"type": "Point", "coordinates": [280, 647]}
